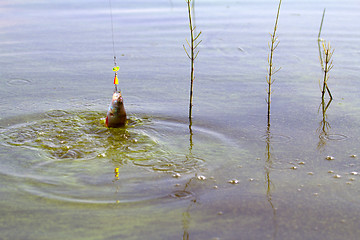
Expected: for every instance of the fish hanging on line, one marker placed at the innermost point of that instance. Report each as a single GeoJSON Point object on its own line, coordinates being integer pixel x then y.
{"type": "Point", "coordinates": [116, 115]}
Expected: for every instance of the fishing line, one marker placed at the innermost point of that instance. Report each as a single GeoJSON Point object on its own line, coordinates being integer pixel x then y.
{"type": "Point", "coordinates": [115, 68]}
{"type": "Point", "coordinates": [112, 32]}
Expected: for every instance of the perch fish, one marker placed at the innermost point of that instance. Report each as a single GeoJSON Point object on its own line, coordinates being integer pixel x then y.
{"type": "Point", "coordinates": [116, 115]}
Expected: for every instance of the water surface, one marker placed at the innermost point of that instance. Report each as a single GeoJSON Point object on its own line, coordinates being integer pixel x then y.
{"type": "Point", "coordinates": [229, 176]}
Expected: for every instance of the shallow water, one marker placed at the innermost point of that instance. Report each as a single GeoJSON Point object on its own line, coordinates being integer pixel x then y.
{"type": "Point", "coordinates": [63, 175]}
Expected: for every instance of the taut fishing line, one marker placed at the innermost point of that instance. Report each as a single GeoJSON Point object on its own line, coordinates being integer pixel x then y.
{"type": "Point", "coordinates": [115, 68]}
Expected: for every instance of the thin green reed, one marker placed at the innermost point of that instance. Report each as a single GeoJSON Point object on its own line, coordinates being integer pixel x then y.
{"type": "Point", "coordinates": [320, 39]}
{"type": "Point", "coordinates": [321, 24]}
{"type": "Point", "coordinates": [274, 42]}
{"type": "Point", "coordinates": [327, 66]}
{"type": "Point", "coordinates": [325, 56]}
{"type": "Point", "coordinates": [192, 53]}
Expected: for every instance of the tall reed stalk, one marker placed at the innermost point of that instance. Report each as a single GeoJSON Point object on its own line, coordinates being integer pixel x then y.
{"type": "Point", "coordinates": [325, 59]}
{"type": "Point", "coordinates": [192, 54]}
{"type": "Point", "coordinates": [326, 67]}
{"type": "Point", "coordinates": [320, 39]}
{"type": "Point", "coordinates": [274, 42]}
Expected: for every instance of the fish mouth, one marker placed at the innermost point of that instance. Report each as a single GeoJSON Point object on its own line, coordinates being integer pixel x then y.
{"type": "Point", "coordinates": [117, 97]}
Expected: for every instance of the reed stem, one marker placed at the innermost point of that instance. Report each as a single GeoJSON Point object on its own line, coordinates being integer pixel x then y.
{"type": "Point", "coordinates": [192, 54]}
{"type": "Point", "coordinates": [322, 21]}
{"type": "Point", "coordinates": [327, 66]}
{"type": "Point", "coordinates": [272, 70]}
{"type": "Point", "coordinates": [320, 40]}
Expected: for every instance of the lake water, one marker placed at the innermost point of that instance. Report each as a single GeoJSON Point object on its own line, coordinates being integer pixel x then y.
{"type": "Point", "coordinates": [63, 175]}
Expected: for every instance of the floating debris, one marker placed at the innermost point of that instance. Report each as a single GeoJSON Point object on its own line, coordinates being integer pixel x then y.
{"type": "Point", "coordinates": [294, 168]}
{"type": "Point", "coordinates": [352, 179]}
{"type": "Point", "coordinates": [337, 176]}
{"type": "Point", "coordinates": [353, 156]}
{"type": "Point", "coordinates": [201, 177]}
{"type": "Point", "coordinates": [310, 173]}
{"type": "Point", "coordinates": [216, 238]}
{"type": "Point", "coordinates": [330, 171]}
{"type": "Point", "coordinates": [176, 175]}
{"type": "Point", "coordinates": [329, 158]}
{"type": "Point", "coordinates": [220, 213]}
{"type": "Point", "coordinates": [301, 163]}
{"type": "Point", "coordinates": [233, 181]}
{"type": "Point", "coordinates": [354, 173]}
{"type": "Point", "coordinates": [215, 187]}
{"type": "Point", "coordinates": [251, 179]}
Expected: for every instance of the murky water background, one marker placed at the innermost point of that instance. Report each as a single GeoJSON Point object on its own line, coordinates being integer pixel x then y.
{"type": "Point", "coordinates": [63, 175]}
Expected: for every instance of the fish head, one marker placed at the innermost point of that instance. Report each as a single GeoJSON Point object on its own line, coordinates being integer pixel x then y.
{"type": "Point", "coordinates": [116, 115]}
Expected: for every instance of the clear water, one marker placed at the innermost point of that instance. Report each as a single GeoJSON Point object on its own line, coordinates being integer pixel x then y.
{"type": "Point", "coordinates": [63, 175]}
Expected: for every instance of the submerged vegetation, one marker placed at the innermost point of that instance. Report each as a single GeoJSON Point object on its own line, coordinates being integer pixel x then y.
{"type": "Point", "coordinates": [274, 42]}
{"type": "Point", "coordinates": [192, 52]}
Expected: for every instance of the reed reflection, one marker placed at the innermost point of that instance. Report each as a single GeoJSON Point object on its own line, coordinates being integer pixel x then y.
{"type": "Point", "coordinates": [186, 217]}
{"type": "Point", "coordinates": [269, 184]}
{"type": "Point", "coordinates": [324, 125]}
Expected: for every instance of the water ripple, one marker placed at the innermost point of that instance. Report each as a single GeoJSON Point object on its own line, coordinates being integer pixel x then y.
{"type": "Point", "coordinates": [18, 82]}
{"type": "Point", "coordinates": [78, 156]}
{"type": "Point", "coordinates": [275, 138]}
{"type": "Point", "coordinates": [334, 137]}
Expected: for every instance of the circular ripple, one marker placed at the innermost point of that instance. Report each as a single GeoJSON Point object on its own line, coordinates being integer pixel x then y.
{"type": "Point", "coordinates": [18, 81]}
{"type": "Point", "coordinates": [78, 156]}
{"type": "Point", "coordinates": [275, 138]}
{"type": "Point", "coordinates": [181, 194]}
{"type": "Point", "coordinates": [334, 137]}
{"type": "Point", "coordinates": [56, 113]}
